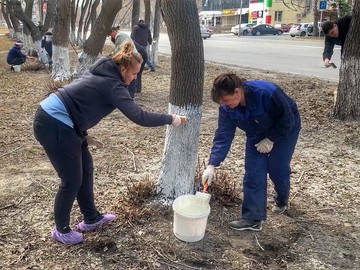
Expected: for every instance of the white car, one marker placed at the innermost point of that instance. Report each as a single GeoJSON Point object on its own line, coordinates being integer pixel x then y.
{"type": "Point", "coordinates": [299, 29]}
{"type": "Point", "coordinates": [245, 29]}
{"type": "Point", "coordinates": [205, 32]}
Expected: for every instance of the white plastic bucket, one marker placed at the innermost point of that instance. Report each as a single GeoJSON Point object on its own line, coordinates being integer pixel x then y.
{"type": "Point", "coordinates": [17, 68]}
{"type": "Point", "coordinates": [190, 217]}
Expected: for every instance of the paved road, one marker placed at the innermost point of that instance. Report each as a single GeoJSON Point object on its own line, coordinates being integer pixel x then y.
{"type": "Point", "coordinates": [276, 53]}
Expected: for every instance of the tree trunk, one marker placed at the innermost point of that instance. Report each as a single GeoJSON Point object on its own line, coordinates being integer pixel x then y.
{"type": "Point", "coordinates": [60, 41]}
{"type": "Point", "coordinates": [28, 23]}
{"type": "Point", "coordinates": [50, 16]}
{"type": "Point", "coordinates": [6, 16]}
{"type": "Point", "coordinates": [81, 22]}
{"type": "Point", "coordinates": [135, 13]}
{"type": "Point", "coordinates": [316, 19]}
{"type": "Point", "coordinates": [147, 17]}
{"type": "Point", "coordinates": [95, 43]}
{"type": "Point", "coordinates": [156, 33]}
{"type": "Point", "coordinates": [90, 18]}
{"type": "Point", "coordinates": [186, 87]}
{"type": "Point", "coordinates": [73, 13]}
{"type": "Point", "coordinates": [347, 104]}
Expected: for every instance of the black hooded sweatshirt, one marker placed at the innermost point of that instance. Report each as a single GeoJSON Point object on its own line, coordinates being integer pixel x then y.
{"type": "Point", "coordinates": [343, 26]}
{"type": "Point", "coordinates": [98, 92]}
{"type": "Point", "coordinates": [141, 34]}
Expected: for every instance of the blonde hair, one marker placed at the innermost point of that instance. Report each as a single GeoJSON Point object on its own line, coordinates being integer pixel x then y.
{"type": "Point", "coordinates": [127, 57]}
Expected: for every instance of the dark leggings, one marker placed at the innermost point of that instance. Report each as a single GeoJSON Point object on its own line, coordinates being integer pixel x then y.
{"type": "Point", "coordinates": [69, 155]}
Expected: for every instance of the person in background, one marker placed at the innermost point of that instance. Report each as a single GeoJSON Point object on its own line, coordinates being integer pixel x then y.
{"type": "Point", "coordinates": [118, 38]}
{"type": "Point", "coordinates": [141, 34]}
{"type": "Point", "coordinates": [335, 34]}
{"type": "Point", "coordinates": [46, 45]}
{"type": "Point", "coordinates": [271, 122]}
{"type": "Point", "coordinates": [61, 123]}
{"type": "Point", "coordinates": [15, 57]}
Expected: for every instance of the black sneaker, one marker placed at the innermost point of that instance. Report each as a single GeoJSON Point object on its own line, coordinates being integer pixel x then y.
{"type": "Point", "coordinates": [278, 209]}
{"type": "Point", "coordinates": [245, 224]}
{"type": "Point", "coordinates": [12, 68]}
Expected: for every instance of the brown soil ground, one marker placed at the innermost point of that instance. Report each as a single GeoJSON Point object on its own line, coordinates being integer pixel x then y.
{"type": "Point", "coordinates": [319, 231]}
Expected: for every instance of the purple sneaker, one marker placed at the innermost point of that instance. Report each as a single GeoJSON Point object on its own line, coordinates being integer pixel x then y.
{"type": "Point", "coordinates": [82, 226]}
{"type": "Point", "coordinates": [70, 238]}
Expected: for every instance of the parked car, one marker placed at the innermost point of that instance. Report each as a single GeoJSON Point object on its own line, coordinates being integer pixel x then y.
{"type": "Point", "coordinates": [310, 29]}
{"type": "Point", "coordinates": [265, 29]}
{"type": "Point", "coordinates": [205, 32]}
{"type": "Point", "coordinates": [245, 29]}
{"type": "Point", "coordinates": [282, 26]}
{"type": "Point", "coordinates": [298, 29]}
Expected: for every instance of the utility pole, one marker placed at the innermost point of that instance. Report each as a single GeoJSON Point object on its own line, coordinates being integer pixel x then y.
{"type": "Point", "coordinates": [241, 4]}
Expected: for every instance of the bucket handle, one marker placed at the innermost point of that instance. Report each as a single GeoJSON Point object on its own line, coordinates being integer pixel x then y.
{"type": "Point", "coordinates": [205, 187]}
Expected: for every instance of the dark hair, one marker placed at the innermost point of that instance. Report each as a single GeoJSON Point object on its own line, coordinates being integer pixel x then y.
{"type": "Point", "coordinates": [114, 28]}
{"type": "Point", "coordinates": [225, 84]}
{"type": "Point", "coordinates": [327, 26]}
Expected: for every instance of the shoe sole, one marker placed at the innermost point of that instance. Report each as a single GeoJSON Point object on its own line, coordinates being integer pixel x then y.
{"type": "Point", "coordinates": [279, 212]}
{"type": "Point", "coordinates": [246, 229]}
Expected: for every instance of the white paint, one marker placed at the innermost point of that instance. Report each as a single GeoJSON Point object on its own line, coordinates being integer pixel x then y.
{"type": "Point", "coordinates": [177, 171]}
{"type": "Point", "coordinates": [85, 61]}
{"type": "Point", "coordinates": [61, 64]}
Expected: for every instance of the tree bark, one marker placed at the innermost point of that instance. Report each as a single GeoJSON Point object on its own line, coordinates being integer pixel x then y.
{"type": "Point", "coordinates": [90, 18]}
{"type": "Point", "coordinates": [178, 166]}
{"type": "Point", "coordinates": [73, 13]}
{"type": "Point", "coordinates": [147, 17]}
{"type": "Point", "coordinates": [6, 16]}
{"type": "Point", "coordinates": [60, 40]}
{"type": "Point", "coordinates": [81, 22]}
{"type": "Point", "coordinates": [94, 44]}
{"type": "Point", "coordinates": [156, 33]}
{"type": "Point", "coordinates": [135, 13]}
{"type": "Point", "coordinates": [50, 16]}
{"type": "Point", "coordinates": [316, 19]}
{"type": "Point", "coordinates": [32, 29]}
{"type": "Point", "coordinates": [347, 104]}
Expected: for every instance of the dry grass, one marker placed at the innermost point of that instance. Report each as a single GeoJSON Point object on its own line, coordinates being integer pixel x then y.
{"type": "Point", "coordinates": [320, 231]}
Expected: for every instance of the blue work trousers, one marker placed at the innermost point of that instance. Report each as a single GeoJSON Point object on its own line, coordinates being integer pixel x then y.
{"type": "Point", "coordinates": [257, 166]}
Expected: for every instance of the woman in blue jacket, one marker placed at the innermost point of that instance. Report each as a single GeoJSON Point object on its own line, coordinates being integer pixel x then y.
{"type": "Point", "coordinates": [61, 123]}
{"type": "Point", "coordinates": [271, 122]}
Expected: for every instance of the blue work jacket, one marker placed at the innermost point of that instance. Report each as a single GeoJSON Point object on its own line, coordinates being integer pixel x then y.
{"type": "Point", "coordinates": [269, 113]}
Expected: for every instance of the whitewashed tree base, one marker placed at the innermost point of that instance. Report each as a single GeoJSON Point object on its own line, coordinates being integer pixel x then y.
{"type": "Point", "coordinates": [177, 171]}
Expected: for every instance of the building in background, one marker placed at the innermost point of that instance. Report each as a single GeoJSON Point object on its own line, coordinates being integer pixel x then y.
{"type": "Point", "coordinates": [223, 14]}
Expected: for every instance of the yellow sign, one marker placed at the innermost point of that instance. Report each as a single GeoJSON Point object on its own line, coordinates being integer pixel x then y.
{"type": "Point", "coordinates": [228, 11]}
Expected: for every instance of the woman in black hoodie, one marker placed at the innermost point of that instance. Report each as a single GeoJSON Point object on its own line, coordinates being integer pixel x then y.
{"type": "Point", "coordinates": [61, 123]}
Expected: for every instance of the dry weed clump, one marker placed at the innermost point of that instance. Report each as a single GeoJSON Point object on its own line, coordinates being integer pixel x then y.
{"type": "Point", "coordinates": [224, 190]}
{"type": "Point", "coordinates": [133, 204]}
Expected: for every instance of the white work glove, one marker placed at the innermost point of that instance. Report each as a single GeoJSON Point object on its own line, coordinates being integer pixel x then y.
{"type": "Point", "coordinates": [94, 142]}
{"type": "Point", "coordinates": [327, 63]}
{"type": "Point", "coordinates": [178, 119]}
{"type": "Point", "coordinates": [208, 175]}
{"type": "Point", "coordinates": [264, 146]}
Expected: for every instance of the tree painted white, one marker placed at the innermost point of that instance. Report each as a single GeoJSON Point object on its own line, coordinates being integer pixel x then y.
{"type": "Point", "coordinates": [85, 61]}
{"type": "Point", "coordinates": [154, 52]}
{"type": "Point", "coordinates": [61, 64]}
{"type": "Point", "coordinates": [180, 154]}
{"type": "Point", "coordinates": [347, 98]}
